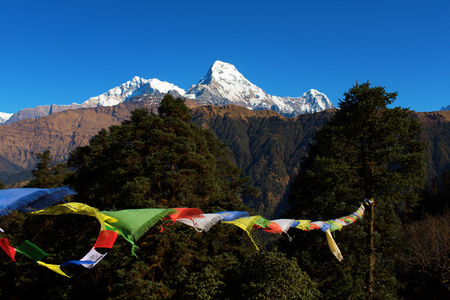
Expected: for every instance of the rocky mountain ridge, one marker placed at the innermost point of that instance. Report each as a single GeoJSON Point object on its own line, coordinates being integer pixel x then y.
{"type": "Point", "coordinates": [222, 85]}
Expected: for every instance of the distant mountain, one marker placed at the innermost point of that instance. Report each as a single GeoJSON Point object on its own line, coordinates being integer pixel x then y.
{"type": "Point", "coordinates": [222, 85]}
{"type": "Point", "coordinates": [445, 108]}
{"type": "Point", "coordinates": [125, 92]}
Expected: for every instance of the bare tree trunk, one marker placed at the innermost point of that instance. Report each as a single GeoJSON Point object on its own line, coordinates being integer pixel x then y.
{"type": "Point", "coordinates": [371, 253]}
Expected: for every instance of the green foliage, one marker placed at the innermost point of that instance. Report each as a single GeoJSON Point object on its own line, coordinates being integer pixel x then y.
{"type": "Point", "coordinates": [47, 174]}
{"type": "Point", "coordinates": [148, 161]}
{"type": "Point", "coordinates": [154, 161]}
{"type": "Point", "coordinates": [270, 275]}
{"type": "Point", "coordinates": [171, 107]}
{"type": "Point", "coordinates": [267, 147]}
{"type": "Point", "coordinates": [2, 185]}
{"type": "Point", "coordinates": [366, 151]}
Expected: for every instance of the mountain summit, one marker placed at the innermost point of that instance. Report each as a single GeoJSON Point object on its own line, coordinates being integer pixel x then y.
{"type": "Point", "coordinates": [223, 84]}
{"type": "Point", "coordinates": [136, 87]}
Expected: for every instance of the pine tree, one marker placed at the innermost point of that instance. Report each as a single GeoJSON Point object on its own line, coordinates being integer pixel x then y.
{"type": "Point", "coordinates": [366, 151]}
{"type": "Point", "coordinates": [47, 174]}
{"type": "Point", "coordinates": [153, 161]}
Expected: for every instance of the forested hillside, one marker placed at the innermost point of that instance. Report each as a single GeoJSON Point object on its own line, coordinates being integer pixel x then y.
{"type": "Point", "coordinates": [267, 146]}
{"type": "Point", "coordinates": [170, 157]}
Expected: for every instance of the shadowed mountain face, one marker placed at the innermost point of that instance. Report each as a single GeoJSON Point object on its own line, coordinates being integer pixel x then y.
{"type": "Point", "coordinates": [267, 146]}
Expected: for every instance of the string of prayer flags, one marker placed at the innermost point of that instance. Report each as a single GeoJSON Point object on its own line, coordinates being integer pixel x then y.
{"type": "Point", "coordinates": [132, 224]}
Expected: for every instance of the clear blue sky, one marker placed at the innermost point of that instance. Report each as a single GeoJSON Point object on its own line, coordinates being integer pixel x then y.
{"type": "Point", "coordinates": [68, 51]}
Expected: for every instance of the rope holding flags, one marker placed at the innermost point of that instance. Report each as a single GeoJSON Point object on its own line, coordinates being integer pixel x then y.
{"type": "Point", "coordinates": [132, 224]}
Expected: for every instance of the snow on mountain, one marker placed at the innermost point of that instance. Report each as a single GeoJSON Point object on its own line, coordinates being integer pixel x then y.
{"type": "Point", "coordinates": [223, 84]}
{"type": "Point", "coordinates": [4, 117]}
{"type": "Point", "coordinates": [125, 92]}
{"type": "Point", "coordinates": [136, 87]}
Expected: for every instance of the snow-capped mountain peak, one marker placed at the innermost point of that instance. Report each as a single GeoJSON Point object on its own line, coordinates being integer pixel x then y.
{"type": "Point", "coordinates": [222, 71]}
{"type": "Point", "coordinates": [135, 87]}
{"type": "Point", "coordinates": [224, 84]}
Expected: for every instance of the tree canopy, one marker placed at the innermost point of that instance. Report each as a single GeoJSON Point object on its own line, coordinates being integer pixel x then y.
{"type": "Point", "coordinates": [367, 150]}
{"type": "Point", "coordinates": [47, 173]}
{"type": "Point", "coordinates": [152, 161]}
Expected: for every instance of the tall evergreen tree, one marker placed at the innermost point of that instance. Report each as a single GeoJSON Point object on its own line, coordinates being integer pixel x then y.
{"type": "Point", "coordinates": [47, 173]}
{"type": "Point", "coordinates": [367, 150]}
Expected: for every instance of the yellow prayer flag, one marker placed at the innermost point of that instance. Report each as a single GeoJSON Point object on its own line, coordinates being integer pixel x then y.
{"type": "Point", "coordinates": [333, 246]}
{"type": "Point", "coordinates": [303, 224]}
{"type": "Point", "coordinates": [54, 268]}
{"type": "Point", "coordinates": [79, 209]}
{"type": "Point", "coordinates": [245, 224]}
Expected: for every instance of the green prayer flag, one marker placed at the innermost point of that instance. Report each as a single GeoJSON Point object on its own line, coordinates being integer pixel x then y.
{"type": "Point", "coordinates": [261, 222]}
{"type": "Point", "coordinates": [29, 249]}
{"type": "Point", "coordinates": [134, 223]}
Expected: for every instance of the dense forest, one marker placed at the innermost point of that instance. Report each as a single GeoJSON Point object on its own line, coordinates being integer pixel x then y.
{"type": "Point", "coordinates": [365, 150]}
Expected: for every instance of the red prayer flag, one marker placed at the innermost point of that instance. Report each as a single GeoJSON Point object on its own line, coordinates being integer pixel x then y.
{"type": "Point", "coordinates": [106, 239]}
{"type": "Point", "coordinates": [11, 251]}
{"type": "Point", "coordinates": [273, 228]}
{"type": "Point", "coordinates": [190, 213]}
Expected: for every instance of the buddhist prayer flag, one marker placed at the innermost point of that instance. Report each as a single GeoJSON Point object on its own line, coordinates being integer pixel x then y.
{"type": "Point", "coordinates": [134, 223]}
{"type": "Point", "coordinates": [78, 209]}
{"type": "Point", "coordinates": [92, 257]}
{"type": "Point", "coordinates": [232, 215]}
{"type": "Point", "coordinates": [301, 224]}
{"type": "Point", "coordinates": [184, 213]}
{"type": "Point", "coordinates": [106, 239]}
{"type": "Point", "coordinates": [279, 225]}
{"type": "Point", "coordinates": [201, 224]}
{"type": "Point", "coordinates": [246, 224]}
{"type": "Point", "coordinates": [32, 251]}
{"type": "Point", "coordinates": [54, 268]}
{"type": "Point", "coordinates": [30, 199]}
{"type": "Point", "coordinates": [333, 246]}
{"type": "Point", "coordinates": [11, 251]}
